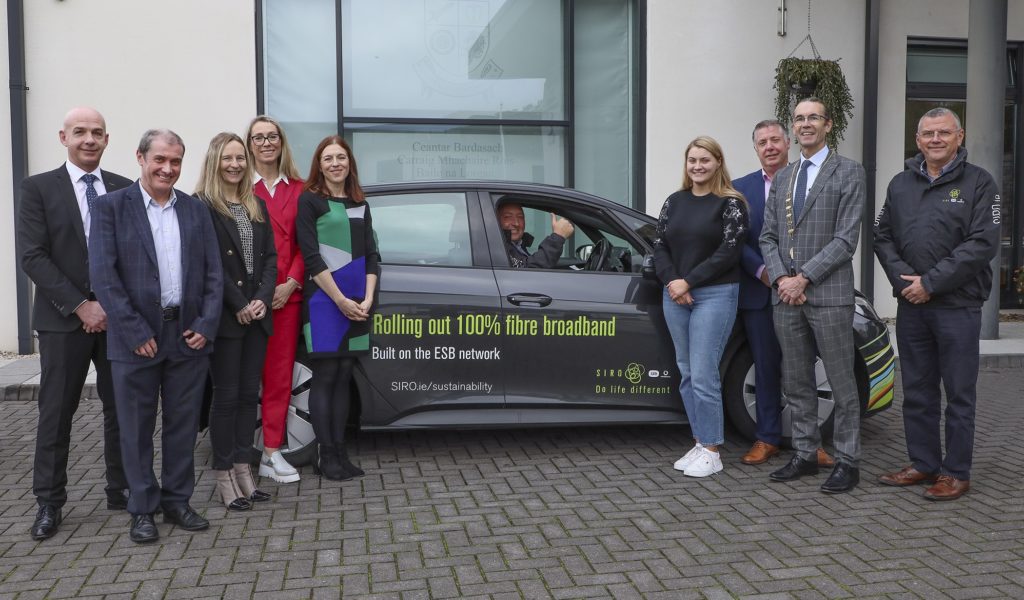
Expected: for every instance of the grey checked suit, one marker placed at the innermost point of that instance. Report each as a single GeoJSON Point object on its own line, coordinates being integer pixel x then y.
{"type": "Point", "coordinates": [821, 247]}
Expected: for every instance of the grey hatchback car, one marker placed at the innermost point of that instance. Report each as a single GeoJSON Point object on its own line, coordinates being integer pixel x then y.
{"type": "Point", "coordinates": [462, 340]}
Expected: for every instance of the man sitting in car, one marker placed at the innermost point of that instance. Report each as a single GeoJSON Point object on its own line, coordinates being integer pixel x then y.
{"type": "Point", "coordinates": [517, 241]}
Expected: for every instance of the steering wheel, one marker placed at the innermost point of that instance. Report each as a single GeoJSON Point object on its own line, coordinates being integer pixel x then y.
{"type": "Point", "coordinates": [598, 259]}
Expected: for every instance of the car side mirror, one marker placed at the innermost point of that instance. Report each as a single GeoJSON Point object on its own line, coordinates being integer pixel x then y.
{"type": "Point", "coordinates": [647, 268]}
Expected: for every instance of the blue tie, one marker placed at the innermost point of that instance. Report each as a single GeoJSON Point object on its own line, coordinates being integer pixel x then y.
{"type": "Point", "coordinates": [90, 191]}
{"type": "Point", "coordinates": [800, 193]}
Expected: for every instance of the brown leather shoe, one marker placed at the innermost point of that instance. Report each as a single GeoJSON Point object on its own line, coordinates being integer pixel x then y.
{"type": "Point", "coordinates": [906, 476]}
{"type": "Point", "coordinates": [947, 488]}
{"type": "Point", "coordinates": [824, 460]}
{"type": "Point", "coordinates": [759, 453]}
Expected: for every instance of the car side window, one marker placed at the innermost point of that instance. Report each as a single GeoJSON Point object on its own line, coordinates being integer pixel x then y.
{"type": "Point", "coordinates": [591, 227]}
{"type": "Point", "coordinates": [422, 229]}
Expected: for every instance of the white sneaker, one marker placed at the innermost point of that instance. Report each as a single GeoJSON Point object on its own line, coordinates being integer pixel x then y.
{"type": "Point", "coordinates": [706, 463]}
{"type": "Point", "coordinates": [688, 458]}
{"type": "Point", "coordinates": [277, 468]}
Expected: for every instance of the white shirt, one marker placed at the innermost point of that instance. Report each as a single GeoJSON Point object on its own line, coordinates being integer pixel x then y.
{"type": "Point", "coordinates": [76, 174]}
{"type": "Point", "coordinates": [163, 223]}
{"type": "Point", "coordinates": [270, 185]}
{"type": "Point", "coordinates": [812, 171]}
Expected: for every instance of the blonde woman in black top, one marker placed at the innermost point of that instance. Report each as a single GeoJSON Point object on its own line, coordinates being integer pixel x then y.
{"type": "Point", "coordinates": [701, 231]}
{"type": "Point", "coordinates": [246, 243]}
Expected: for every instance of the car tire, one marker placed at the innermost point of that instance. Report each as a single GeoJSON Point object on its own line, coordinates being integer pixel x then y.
{"type": "Point", "coordinates": [738, 396]}
{"type": "Point", "coordinates": [299, 447]}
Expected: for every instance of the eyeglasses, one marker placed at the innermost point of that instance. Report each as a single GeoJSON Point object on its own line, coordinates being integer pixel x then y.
{"type": "Point", "coordinates": [944, 134]}
{"type": "Point", "coordinates": [811, 118]}
{"type": "Point", "coordinates": [259, 139]}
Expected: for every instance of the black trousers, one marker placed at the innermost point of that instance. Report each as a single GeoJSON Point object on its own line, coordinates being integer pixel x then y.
{"type": "Point", "coordinates": [176, 383]}
{"type": "Point", "coordinates": [64, 359]}
{"type": "Point", "coordinates": [237, 366]}
{"type": "Point", "coordinates": [330, 398]}
{"type": "Point", "coordinates": [939, 345]}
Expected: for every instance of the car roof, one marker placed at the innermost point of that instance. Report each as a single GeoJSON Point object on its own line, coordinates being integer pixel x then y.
{"type": "Point", "coordinates": [509, 187]}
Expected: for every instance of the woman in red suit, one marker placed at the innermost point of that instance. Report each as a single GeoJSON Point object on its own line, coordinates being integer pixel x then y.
{"type": "Point", "coordinates": [279, 184]}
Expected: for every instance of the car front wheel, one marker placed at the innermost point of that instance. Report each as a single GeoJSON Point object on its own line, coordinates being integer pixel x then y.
{"type": "Point", "coordinates": [739, 389]}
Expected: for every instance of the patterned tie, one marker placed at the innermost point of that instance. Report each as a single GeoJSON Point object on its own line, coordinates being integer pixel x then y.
{"type": "Point", "coordinates": [800, 194]}
{"type": "Point", "coordinates": [90, 191]}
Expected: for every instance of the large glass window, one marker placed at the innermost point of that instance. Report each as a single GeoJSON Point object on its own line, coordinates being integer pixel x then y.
{"type": "Point", "coordinates": [468, 59]}
{"type": "Point", "coordinates": [526, 90]}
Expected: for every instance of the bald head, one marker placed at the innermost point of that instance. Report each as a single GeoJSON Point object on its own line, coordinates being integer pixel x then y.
{"type": "Point", "coordinates": [85, 136]}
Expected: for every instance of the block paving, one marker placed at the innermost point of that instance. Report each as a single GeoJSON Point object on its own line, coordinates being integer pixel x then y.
{"type": "Point", "coordinates": [594, 512]}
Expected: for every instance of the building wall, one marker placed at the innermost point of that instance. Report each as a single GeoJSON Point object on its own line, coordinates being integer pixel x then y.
{"type": "Point", "coordinates": [710, 69]}
{"type": "Point", "coordinates": [8, 265]}
{"type": "Point", "coordinates": [189, 65]}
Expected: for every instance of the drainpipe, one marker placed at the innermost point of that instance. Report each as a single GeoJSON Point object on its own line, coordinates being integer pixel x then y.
{"type": "Point", "coordinates": [986, 94]}
{"type": "Point", "coordinates": [19, 155]}
{"type": "Point", "coordinates": [870, 150]}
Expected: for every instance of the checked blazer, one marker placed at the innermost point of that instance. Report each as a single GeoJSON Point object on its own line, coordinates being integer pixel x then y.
{"type": "Point", "coordinates": [825, 233]}
{"type": "Point", "coordinates": [126, 278]}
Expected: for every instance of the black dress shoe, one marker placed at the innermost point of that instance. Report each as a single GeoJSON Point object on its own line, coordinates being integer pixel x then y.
{"type": "Point", "coordinates": [48, 518]}
{"type": "Point", "coordinates": [143, 529]}
{"type": "Point", "coordinates": [844, 478]}
{"type": "Point", "coordinates": [117, 500]}
{"type": "Point", "coordinates": [259, 496]}
{"type": "Point", "coordinates": [795, 469]}
{"type": "Point", "coordinates": [185, 517]}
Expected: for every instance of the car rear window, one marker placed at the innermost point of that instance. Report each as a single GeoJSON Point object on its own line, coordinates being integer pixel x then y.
{"type": "Point", "coordinates": [422, 229]}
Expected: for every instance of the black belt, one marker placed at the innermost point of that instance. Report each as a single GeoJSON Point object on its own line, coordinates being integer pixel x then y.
{"type": "Point", "coordinates": [170, 313]}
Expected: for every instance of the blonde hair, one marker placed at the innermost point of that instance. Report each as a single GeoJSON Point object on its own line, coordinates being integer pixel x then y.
{"type": "Point", "coordinates": [285, 162]}
{"type": "Point", "coordinates": [720, 184]}
{"type": "Point", "coordinates": [212, 188]}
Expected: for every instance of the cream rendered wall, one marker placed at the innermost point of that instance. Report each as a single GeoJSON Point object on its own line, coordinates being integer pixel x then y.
{"type": "Point", "coordinates": [189, 65]}
{"type": "Point", "coordinates": [899, 21]}
{"type": "Point", "coordinates": [711, 68]}
{"type": "Point", "coordinates": [8, 301]}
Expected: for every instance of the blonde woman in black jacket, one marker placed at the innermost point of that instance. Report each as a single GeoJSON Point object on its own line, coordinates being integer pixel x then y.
{"type": "Point", "coordinates": [246, 243]}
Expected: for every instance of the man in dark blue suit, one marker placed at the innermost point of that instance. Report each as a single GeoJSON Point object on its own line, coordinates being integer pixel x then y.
{"type": "Point", "coordinates": [772, 145]}
{"type": "Point", "coordinates": [155, 268]}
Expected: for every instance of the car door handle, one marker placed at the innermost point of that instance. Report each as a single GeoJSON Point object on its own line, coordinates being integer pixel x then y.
{"type": "Point", "coordinates": [529, 299]}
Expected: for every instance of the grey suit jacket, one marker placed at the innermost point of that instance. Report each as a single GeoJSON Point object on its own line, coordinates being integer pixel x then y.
{"type": "Point", "coordinates": [825, 233]}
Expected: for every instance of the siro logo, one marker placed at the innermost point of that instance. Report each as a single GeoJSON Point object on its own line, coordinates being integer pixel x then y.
{"type": "Point", "coordinates": [634, 372]}
{"type": "Point", "coordinates": [954, 196]}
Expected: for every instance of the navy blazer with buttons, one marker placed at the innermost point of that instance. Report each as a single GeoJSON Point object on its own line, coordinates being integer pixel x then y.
{"type": "Point", "coordinates": [238, 289]}
{"type": "Point", "coordinates": [753, 293]}
{"type": "Point", "coordinates": [126, 278]}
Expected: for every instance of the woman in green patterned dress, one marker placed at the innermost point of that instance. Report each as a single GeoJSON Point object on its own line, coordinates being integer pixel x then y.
{"type": "Point", "coordinates": [335, 234]}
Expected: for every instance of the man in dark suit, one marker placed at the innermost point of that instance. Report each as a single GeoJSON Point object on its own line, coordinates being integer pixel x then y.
{"type": "Point", "coordinates": [772, 146]}
{"type": "Point", "coordinates": [53, 226]}
{"type": "Point", "coordinates": [811, 227]}
{"type": "Point", "coordinates": [155, 267]}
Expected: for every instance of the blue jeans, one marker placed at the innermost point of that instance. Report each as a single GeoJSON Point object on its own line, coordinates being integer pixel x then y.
{"type": "Point", "coordinates": [699, 333]}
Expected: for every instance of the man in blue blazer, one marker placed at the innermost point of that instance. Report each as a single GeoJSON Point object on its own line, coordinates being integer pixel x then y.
{"type": "Point", "coordinates": [155, 268]}
{"type": "Point", "coordinates": [772, 146]}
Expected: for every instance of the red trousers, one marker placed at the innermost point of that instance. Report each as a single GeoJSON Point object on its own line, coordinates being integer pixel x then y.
{"type": "Point", "coordinates": [277, 373]}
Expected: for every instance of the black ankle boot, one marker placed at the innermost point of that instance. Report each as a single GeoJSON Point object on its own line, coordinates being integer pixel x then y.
{"type": "Point", "coordinates": [327, 464]}
{"type": "Point", "coordinates": [346, 464]}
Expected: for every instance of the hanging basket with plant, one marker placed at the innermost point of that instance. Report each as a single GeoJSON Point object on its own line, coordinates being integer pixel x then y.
{"type": "Point", "coordinates": [799, 78]}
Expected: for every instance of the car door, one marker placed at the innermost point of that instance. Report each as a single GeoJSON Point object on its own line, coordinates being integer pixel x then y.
{"type": "Point", "coordinates": [578, 339]}
{"type": "Point", "coordinates": [435, 282]}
